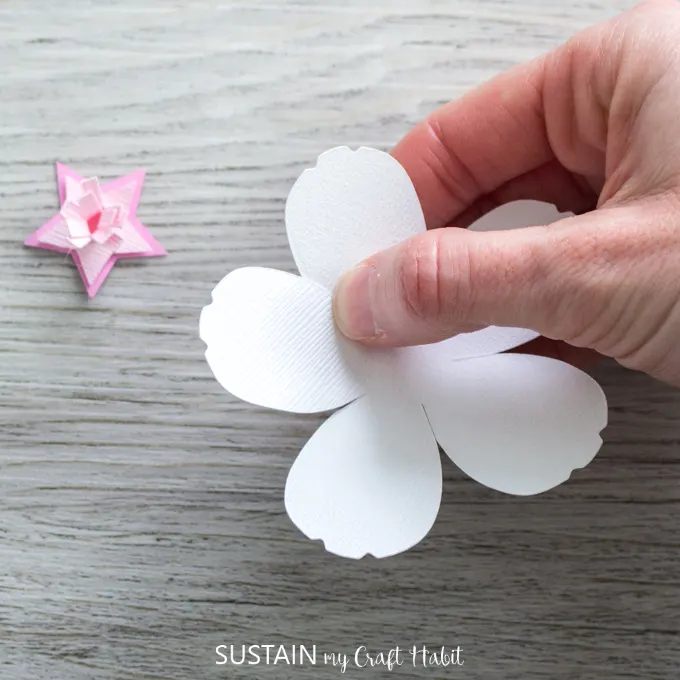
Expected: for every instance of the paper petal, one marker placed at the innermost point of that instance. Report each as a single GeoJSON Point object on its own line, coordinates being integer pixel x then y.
{"type": "Point", "coordinates": [79, 242]}
{"type": "Point", "coordinates": [102, 235]}
{"type": "Point", "coordinates": [271, 341]}
{"type": "Point", "coordinates": [351, 205]}
{"type": "Point", "coordinates": [122, 195]}
{"type": "Point", "coordinates": [519, 214]}
{"type": "Point", "coordinates": [516, 423]}
{"type": "Point", "coordinates": [56, 234]}
{"type": "Point", "coordinates": [88, 205]}
{"type": "Point", "coordinates": [93, 258]}
{"type": "Point", "coordinates": [70, 211]}
{"type": "Point", "coordinates": [132, 241]}
{"type": "Point", "coordinates": [488, 341]}
{"type": "Point", "coordinates": [91, 185]}
{"type": "Point", "coordinates": [368, 481]}
{"type": "Point", "coordinates": [77, 227]}
{"type": "Point", "coordinates": [108, 219]}
{"type": "Point", "coordinates": [74, 188]}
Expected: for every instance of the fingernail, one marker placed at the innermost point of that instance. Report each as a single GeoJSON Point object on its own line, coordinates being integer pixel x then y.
{"type": "Point", "coordinates": [352, 303]}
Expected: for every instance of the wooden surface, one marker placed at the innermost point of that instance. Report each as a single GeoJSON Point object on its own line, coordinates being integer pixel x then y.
{"type": "Point", "coordinates": [141, 507]}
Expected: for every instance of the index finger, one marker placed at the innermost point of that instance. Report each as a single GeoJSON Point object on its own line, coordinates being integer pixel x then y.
{"type": "Point", "coordinates": [474, 145]}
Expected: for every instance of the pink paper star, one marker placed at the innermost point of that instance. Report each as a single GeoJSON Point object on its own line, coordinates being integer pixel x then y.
{"type": "Point", "coordinates": [97, 225]}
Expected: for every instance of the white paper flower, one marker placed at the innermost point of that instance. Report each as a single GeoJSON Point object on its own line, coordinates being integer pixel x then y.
{"type": "Point", "coordinates": [369, 480]}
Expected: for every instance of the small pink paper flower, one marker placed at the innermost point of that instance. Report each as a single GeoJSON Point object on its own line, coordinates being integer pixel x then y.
{"type": "Point", "coordinates": [97, 225]}
{"type": "Point", "coordinates": [92, 216]}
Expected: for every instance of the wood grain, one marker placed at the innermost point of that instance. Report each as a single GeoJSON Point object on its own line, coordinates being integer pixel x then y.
{"type": "Point", "coordinates": [141, 508]}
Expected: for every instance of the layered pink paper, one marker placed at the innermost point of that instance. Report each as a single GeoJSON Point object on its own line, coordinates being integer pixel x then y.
{"type": "Point", "coordinates": [153, 247]}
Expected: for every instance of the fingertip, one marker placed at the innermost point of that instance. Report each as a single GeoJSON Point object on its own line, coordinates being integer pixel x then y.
{"type": "Point", "coordinates": [352, 303]}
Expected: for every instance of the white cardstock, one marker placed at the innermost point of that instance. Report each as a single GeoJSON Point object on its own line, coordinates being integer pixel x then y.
{"type": "Point", "coordinates": [369, 481]}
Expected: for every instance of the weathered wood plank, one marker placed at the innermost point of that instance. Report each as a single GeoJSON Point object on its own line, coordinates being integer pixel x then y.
{"type": "Point", "coordinates": [141, 514]}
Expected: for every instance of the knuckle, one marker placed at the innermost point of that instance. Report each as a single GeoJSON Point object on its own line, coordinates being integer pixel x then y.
{"type": "Point", "coordinates": [447, 167]}
{"type": "Point", "coordinates": [600, 275]}
{"type": "Point", "coordinates": [576, 300]}
{"type": "Point", "coordinates": [434, 277]}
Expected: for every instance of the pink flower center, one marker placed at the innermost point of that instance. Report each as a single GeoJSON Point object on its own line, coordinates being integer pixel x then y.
{"type": "Point", "coordinates": [93, 222]}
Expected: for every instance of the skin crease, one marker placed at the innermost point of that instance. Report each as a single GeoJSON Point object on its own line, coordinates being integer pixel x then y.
{"type": "Point", "coordinates": [591, 127]}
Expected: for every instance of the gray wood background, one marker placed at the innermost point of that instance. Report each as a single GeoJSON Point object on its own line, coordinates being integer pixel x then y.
{"type": "Point", "coordinates": [141, 507]}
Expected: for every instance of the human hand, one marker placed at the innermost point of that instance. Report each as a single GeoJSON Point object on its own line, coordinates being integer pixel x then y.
{"type": "Point", "coordinates": [591, 127]}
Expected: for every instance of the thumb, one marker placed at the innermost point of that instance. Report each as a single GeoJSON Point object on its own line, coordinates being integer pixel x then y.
{"type": "Point", "coordinates": [447, 281]}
